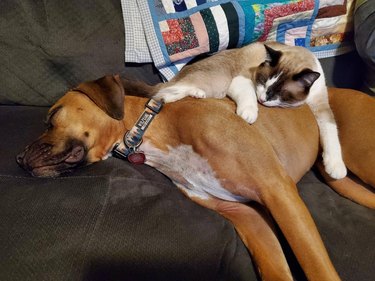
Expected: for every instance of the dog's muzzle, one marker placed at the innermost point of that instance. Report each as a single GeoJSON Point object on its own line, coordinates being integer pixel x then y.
{"type": "Point", "coordinates": [40, 160]}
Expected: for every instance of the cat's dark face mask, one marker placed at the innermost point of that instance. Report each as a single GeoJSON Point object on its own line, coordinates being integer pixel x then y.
{"type": "Point", "coordinates": [278, 85]}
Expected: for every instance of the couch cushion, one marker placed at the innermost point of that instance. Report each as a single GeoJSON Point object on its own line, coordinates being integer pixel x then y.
{"type": "Point", "coordinates": [52, 46]}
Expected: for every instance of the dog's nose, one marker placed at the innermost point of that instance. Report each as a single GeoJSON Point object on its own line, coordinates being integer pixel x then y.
{"type": "Point", "coordinates": [19, 158]}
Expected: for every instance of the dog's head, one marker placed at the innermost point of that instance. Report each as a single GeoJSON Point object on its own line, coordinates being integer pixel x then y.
{"type": "Point", "coordinates": [81, 128]}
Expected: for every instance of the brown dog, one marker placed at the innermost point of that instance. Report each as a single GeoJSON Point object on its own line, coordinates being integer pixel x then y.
{"type": "Point", "coordinates": [219, 160]}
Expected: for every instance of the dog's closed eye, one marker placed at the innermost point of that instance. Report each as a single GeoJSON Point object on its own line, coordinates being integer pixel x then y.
{"type": "Point", "coordinates": [50, 115]}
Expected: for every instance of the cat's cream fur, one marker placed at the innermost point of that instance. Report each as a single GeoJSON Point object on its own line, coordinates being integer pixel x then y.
{"type": "Point", "coordinates": [257, 73]}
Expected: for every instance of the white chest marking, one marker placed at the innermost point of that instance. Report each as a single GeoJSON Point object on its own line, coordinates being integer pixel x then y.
{"type": "Point", "coordinates": [189, 171]}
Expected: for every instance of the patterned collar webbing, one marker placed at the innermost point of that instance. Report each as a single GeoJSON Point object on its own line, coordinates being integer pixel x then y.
{"type": "Point", "coordinates": [133, 138]}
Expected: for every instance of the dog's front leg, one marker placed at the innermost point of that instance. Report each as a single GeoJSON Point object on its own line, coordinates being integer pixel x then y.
{"type": "Point", "coordinates": [298, 227]}
{"type": "Point", "coordinates": [255, 229]}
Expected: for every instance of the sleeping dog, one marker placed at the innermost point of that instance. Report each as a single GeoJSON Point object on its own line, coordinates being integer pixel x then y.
{"type": "Point", "coordinates": [217, 159]}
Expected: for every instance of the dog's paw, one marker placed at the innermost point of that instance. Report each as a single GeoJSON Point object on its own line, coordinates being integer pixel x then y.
{"type": "Point", "coordinates": [248, 113]}
{"type": "Point", "coordinates": [334, 167]}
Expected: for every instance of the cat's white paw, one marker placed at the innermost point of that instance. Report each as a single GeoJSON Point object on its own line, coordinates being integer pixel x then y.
{"type": "Point", "coordinates": [248, 113]}
{"type": "Point", "coordinates": [198, 93]}
{"type": "Point", "coordinates": [334, 167]}
{"type": "Point", "coordinates": [168, 97]}
{"type": "Point", "coordinates": [175, 93]}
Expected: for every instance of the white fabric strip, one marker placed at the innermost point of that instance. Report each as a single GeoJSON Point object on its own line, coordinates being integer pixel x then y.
{"type": "Point", "coordinates": [136, 48]}
{"type": "Point", "coordinates": [222, 26]}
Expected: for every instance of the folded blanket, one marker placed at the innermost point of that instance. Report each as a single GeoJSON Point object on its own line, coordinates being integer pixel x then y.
{"type": "Point", "coordinates": [170, 33]}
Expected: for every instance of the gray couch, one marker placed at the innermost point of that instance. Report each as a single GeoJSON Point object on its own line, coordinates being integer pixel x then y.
{"type": "Point", "coordinates": [113, 220]}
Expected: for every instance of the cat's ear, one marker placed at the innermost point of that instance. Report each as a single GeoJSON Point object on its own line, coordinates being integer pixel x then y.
{"type": "Point", "coordinates": [272, 56]}
{"type": "Point", "coordinates": [306, 77]}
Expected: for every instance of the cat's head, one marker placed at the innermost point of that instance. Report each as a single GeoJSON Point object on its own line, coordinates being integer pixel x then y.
{"type": "Point", "coordinates": [281, 81]}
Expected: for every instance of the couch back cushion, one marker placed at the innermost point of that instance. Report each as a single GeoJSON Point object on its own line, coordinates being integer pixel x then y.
{"type": "Point", "coordinates": [47, 47]}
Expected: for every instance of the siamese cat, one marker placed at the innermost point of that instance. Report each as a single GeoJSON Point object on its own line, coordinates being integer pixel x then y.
{"type": "Point", "coordinates": [272, 74]}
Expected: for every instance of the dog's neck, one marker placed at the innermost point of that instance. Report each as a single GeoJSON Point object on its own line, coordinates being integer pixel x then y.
{"type": "Point", "coordinates": [134, 106]}
{"type": "Point", "coordinates": [133, 138]}
{"type": "Point", "coordinates": [159, 132]}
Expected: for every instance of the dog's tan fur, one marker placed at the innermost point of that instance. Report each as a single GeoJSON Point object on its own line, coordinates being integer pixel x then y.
{"type": "Point", "coordinates": [261, 162]}
{"type": "Point", "coordinates": [355, 116]}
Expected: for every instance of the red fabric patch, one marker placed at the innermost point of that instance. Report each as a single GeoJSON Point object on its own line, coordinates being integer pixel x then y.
{"type": "Point", "coordinates": [282, 11]}
{"type": "Point", "coordinates": [174, 34]}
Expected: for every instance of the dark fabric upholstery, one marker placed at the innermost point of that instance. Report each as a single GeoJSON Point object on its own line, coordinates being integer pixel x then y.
{"type": "Point", "coordinates": [47, 47]}
{"type": "Point", "coordinates": [345, 71]}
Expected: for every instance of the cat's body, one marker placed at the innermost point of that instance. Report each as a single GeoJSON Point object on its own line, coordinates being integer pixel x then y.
{"type": "Point", "coordinates": [273, 74]}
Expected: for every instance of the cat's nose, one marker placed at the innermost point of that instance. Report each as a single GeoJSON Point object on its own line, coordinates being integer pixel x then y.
{"type": "Point", "coordinates": [262, 100]}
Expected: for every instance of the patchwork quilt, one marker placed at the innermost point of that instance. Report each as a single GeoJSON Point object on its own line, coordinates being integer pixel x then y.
{"type": "Point", "coordinates": [170, 33]}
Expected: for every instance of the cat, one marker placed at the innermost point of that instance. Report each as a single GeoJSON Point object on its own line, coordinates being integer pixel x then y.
{"type": "Point", "coordinates": [272, 74]}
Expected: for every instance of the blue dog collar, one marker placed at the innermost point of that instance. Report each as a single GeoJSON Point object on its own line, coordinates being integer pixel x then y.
{"type": "Point", "coordinates": [133, 138]}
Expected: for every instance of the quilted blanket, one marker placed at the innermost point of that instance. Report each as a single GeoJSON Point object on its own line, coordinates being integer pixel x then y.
{"type": "Point", "coordinates": [170, 33]}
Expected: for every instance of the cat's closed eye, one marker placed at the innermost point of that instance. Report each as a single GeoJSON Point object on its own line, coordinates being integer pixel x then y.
{"type": "Point", "coordinates": [261, 78]}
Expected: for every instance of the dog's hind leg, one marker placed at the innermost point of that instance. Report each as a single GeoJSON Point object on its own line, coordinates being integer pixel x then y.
{"type": "Point", "coordinates": [351, 187]}
{"type": "Point", "coordinates": [256, 231]}
{"type": "Point", "coordinates": [298, 227]}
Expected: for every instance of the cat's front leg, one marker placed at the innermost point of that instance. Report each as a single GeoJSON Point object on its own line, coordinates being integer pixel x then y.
{"type": "Point", "coordinates": [242, 91]}
{"type": "Point", "coordinates": [179, 91]}
{"type": "Point", "coordinates": [332, 156]}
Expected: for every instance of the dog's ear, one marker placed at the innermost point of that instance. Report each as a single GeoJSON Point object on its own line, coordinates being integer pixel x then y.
{"type": "Point", "coordinates": [107, 93]}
